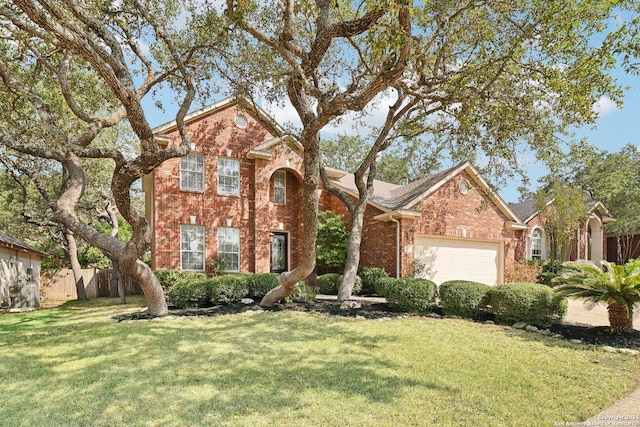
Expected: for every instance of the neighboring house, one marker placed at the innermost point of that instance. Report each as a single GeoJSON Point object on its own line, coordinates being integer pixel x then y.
{"type": "Point", "coordinates": [19, 273]}
{"type": "Point", "coordinates": [590, 241]}
{"type": "Point", "coordinates": [235, 202]}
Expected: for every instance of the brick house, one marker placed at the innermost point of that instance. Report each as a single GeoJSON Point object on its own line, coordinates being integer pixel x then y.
{"type": "Point", "coordinates": [590, 241]}
{"type": "Point", "coordinates": [234, 201]}
{"type": "Point", "coordinates": [446, 226]}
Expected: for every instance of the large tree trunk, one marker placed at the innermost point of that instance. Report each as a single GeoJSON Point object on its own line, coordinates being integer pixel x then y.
{"type": "Point", "coordinates": [620, 319]}
{"type": "Point", "coordinates": [353, 251]}
{"type": "Point", "coordinates": [142, 274]}
{"type": "Point", "coordinates": [75, 265]}
{"type": "Point", "coordinates": [116, 287]}
{"type": "Point", "coordinates": [289, 280]}
{"type": "Point", "coordinates": [115, 278]}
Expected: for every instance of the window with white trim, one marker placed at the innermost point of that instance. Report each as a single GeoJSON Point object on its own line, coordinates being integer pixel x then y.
{"type": "Point", "coordinates": [229, 248]}
{"type": "Point", "coordinates": [192, 247]}
{"type": "Point", "coordinates": [280, 188]}
{"type": "Point", "coordinates": [228, 176]}
{"type": "Point", "coordinates": [537, 244]}
{"type": "Point", "coordinates": [192, 172]}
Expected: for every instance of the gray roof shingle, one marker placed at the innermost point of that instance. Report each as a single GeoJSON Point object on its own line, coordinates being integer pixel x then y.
{"type": "Point", "coordinates": [11, 242]}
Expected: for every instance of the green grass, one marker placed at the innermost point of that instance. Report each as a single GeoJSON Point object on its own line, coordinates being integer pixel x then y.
{"type": "Point", "coordinates": [70, 366]}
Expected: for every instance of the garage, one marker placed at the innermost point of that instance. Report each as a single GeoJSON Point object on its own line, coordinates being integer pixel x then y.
{"type": "Point", "coordinates": [448, 258]}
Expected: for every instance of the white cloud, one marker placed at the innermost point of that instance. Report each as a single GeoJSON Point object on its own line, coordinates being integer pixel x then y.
{"type": "Point", "coordinates": [604, 105]}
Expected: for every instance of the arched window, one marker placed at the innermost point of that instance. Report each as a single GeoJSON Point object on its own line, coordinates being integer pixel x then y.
{"type": "Point", "coordinates": [537, 244]}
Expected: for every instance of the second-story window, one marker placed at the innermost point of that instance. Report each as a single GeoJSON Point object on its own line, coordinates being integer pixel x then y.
{"type": "Point", "coordinates": [280, 188]}
{"type": "Point", "coordinates": [228, 176]}
{"type": "Point", "coordinates": [192, 172]}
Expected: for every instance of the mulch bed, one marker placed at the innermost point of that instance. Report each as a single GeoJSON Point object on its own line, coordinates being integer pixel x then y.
{"type": "Point", "coordinates": [594, 335]}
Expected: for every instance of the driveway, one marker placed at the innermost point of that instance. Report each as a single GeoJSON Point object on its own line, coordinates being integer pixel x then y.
{"type": "Point", "coordinates": [580, 313]}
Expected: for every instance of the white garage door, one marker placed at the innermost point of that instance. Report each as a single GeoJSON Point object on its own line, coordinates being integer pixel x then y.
{"type": "Point", "coordinates": [459, 259]}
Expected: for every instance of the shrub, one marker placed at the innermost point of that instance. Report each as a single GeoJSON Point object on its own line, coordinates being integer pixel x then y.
{"type": "Point", "coordinates": [328, 283]}
{"type": "Point", "coordinates": [412, 295]}
{"type": "Point", "coordinates": [523, 271]}
{"type": "Point", "coordinates": [331, 244]}
{"type": "Point", "coordinates": [168, 278]}
{"type": "Point", "coordinates": [531, 303]}
{"type": "Point", "coordinates": [229, 288]}
{"type": "Point", "coordinates": [462, 298]}
{"type": "Point", "coordinates": [303, 293]}
{"type": "Point", "coordinates": [260, 284]}
{"type": "Point", "coordinates": [550, 269]}
{"type": "Point", "coordinates": [188, 293]}
{"type": "Point", "coordinates": [382, 285]}
{"type": "Point", "coordinates": [369, 276]}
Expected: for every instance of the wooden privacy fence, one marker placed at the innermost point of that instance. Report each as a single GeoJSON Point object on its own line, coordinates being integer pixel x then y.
{"type": "Point", "coordinates": [59, 285]}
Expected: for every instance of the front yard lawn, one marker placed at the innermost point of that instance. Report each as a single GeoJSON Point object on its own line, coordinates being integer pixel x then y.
{"type": "Point", "coordinates": [71, 366]}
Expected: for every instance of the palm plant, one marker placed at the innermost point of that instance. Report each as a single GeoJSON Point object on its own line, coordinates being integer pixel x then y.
{"type": "Point", "coordinates": [617, 285]}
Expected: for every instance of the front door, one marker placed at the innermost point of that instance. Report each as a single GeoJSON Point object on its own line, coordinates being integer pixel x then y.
{"type": "Point", "coordinates": [279, 252]}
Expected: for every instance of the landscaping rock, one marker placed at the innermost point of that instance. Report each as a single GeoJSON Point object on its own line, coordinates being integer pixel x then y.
{"type": "Point", "coordinates": [531, 328]}
{"type": "Point", "coordinates": [544, 332]}
{"type": "Point", "coordinates": [247, 301]}
{"type": "Point", "coordinates": [629, 351]}
{"type": "Point", "coordinates": [433, 315]}
{"type": "Point", "coordinates": [350, 305]}
{"type": "Point", "coordinates": [609, 349]}
{"type": "Point", "coordinates": [489, 322]}
{"type": "Point", "coordinates": [519, 325]}
{"type": "Point", "coordinates": [576, 341]}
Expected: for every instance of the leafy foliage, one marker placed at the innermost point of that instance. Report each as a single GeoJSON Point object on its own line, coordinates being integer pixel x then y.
{"type": "Point", "coordinates": [412, 295]}
{"type": "Point", "coordinates": [531, 303]}
{"type": "Point", "coordinates": [523, 271]}
{"type": "Point", "coordinates": [331, 243]}
{"type": "Point", "coordinates": [261, 283]}
{"type": "Point", "coordinates": [618, 285]}
{"type": "Point", "coordinates": [462, 298]}
{"type": "Point", "coordinates": [168, 278]}
{"type": "Point", "coordinates": [328, 283]}
{"type": "Point", "coordinates": [561, 210]}
{"type": "Point", "coordinates": [189, 293]}
{"type": "Point", "coordinates": [370, 276]}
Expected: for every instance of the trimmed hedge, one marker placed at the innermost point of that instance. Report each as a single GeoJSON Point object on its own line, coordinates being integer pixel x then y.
{"type": "Point", "coordinates": [382, 285]}
{"type": "Point", "coordinates": [462, 298]}
{"type": "Point", "coordinates": [329, 284]}
{"type": "Point", "coordinates": [227, 289]}
{"type": "Point", "coordinates": [369, 276]}
{"type": "Point", "coordinates": [531, 303]}
{"type": "Point", "coordinates": [188, 293]}
{"type": "Point", "coordinates": [168, 278]}
{"type": "Point", "coordinates": [412, 295]}
{"type": "Point", "coordinates": [260, 284]}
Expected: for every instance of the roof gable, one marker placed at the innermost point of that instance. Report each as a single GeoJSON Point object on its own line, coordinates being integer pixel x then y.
{"type": "Point", "coordinates": [391, 197]}
{"type": "Point", "coordinates": [527, 209]}
{"type": "Point", "coordinates": [244, 103]}
{"type": "Point", "coordinates": [264, 150]}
